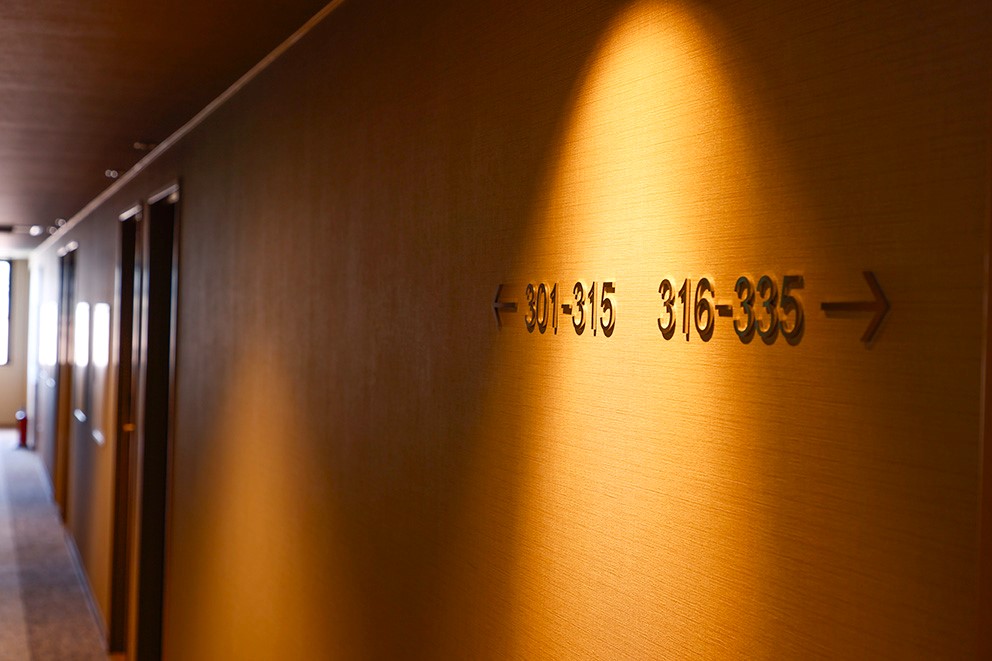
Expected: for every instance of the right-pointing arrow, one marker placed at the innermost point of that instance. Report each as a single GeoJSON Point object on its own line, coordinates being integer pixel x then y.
{"type": "Point", "coordinates": [880, 306]}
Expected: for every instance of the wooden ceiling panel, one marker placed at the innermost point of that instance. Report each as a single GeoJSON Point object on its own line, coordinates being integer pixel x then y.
{"type": "Point", "coordinates": [80, 82]}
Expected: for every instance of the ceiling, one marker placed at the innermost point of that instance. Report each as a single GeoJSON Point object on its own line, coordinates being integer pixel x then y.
{"type": "Point", "coordinates": [87, 86]}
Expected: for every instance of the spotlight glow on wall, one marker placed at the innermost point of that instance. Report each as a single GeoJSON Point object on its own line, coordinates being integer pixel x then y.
{"type": "Point", "coordinates": [101, 334]}
{"type": "Point", "coordinates": [81, 349]}
{"type": "Point", "coordinates": [48, 346]}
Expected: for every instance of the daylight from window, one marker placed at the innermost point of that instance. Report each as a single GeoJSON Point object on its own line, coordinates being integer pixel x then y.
{"type": "Point", "coordinates": [4, 312]}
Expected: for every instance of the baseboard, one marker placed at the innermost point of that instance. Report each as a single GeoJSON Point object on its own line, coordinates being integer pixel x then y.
{"type": "Point", "coordinates": [77, 563]}
{"type": "Point", "coordinates": [46, 482]}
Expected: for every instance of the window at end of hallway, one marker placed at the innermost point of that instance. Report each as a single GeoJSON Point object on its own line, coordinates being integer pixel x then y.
{"type": "Point", "coordinates": [5, 312]}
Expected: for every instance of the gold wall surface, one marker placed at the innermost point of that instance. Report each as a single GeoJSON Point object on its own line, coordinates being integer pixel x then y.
{"type": "Point", "coordinates": [367, 466]}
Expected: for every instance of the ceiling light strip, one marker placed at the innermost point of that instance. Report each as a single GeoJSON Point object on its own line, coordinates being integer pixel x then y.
{"type": "Point", "coordinates": [197, 119]}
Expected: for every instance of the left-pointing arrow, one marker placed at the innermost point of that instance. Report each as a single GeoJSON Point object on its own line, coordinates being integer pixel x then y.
{"type": "Point", "coordinates": [502, 306]}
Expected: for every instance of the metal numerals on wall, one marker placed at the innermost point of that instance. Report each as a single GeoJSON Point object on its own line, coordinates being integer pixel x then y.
{"type": "Point", "coordinates": [766, 308]}
{"type": "Point", "coordinates": [591, 307]}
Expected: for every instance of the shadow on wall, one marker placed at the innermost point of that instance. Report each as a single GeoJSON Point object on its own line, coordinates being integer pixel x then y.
{"type": "Point", "coordinates": [341, 489]}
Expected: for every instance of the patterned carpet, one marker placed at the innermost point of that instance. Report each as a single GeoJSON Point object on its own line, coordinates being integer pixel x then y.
{"type": "Point", "coordinates": [43, 611]}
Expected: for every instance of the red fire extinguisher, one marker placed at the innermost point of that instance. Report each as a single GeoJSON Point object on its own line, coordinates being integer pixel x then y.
{"type": "Point", "coordinates": [22, 428]}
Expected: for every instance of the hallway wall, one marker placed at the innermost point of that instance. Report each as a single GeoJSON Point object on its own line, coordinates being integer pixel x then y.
{"type": "Point", "coordinates": [366, 466]}
{"type": "Point", "coordinates": [13, 375]}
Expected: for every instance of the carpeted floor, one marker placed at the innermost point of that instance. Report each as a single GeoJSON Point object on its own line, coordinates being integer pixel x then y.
{"type": "Point", "coordinates": [43, 611]}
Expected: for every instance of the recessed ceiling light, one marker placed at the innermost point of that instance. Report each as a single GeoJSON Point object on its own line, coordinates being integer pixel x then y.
{"type": "Point", "coordinates": [36, 230]}
{"type": "Point", "coordinates": [60, 221]}
{"type": "Point", "coordinates": [111, 174]}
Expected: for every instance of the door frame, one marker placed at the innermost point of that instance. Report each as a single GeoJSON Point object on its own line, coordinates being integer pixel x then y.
{"type": "Point", "coordinates": [63, 390]}
{"type": "Point", "coordinates": [126, 303]}
{"type": "Point", "coordinates": [146, 404]}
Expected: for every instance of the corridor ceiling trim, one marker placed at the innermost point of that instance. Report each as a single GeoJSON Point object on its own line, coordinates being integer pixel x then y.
{"type": "Point", "coordinates": [197, 119]}
{"type": "Point", "coordinates": [90, 88]}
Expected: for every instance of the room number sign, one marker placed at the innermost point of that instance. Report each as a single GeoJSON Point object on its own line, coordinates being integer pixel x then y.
{"type": "Point", "coordinates": [767, 307]}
